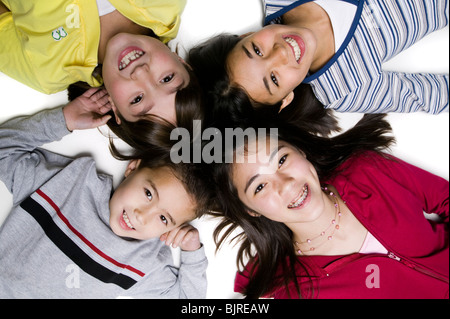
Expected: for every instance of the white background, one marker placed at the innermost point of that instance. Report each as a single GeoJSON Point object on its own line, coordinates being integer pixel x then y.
{"type": "Point", "coordinates": [422, 139]}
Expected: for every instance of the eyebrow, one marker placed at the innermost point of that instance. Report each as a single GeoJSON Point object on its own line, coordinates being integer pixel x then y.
{"type": "Point", "coordinates": [266, 82]}
{"type": "Point", "coordinates": [252, 179]}
{"type": "Point", "coordinates": [170, 217]}
{"type": "Point", "coordinates": [247, 52]}
{"type": "Point", "coordinates": [165, 211]}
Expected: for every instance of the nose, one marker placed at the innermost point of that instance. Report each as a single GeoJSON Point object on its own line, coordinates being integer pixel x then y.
{"type": "Point", "coordinates": [279, 55]}
{"type": "Point", "coordinates": [285, 185]}
{"type": "Point", "coordinates": [141, 214]}
{"type": "Point", "coordinates": [141, 73]}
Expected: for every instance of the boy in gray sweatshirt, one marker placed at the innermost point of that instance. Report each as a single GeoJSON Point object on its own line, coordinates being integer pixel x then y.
{"type": "Point", "coordinates": [69, 235]}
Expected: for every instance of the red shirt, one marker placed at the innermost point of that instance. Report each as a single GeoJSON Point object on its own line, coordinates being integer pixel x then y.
{"type": "Point", "coordinates": [388, 196]}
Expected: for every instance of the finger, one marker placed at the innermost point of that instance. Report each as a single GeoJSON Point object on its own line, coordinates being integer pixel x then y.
{"type": "Point", "coordinates": [184, 235]}
{"type": "Point", "coordinates": [163, 237]}
{"type": "Point", "coordinates": [90, 92]}
{"type": "Point", "coordinates": [105, 109]}
{"type": "Point", "coordinates": [97, 95]}
{"type": "Point", "coordinates": [102, 120]}
{"type": "Point", "coordinates": [103, 101]}
{"type": "Point", "coordinates": [171, 235]}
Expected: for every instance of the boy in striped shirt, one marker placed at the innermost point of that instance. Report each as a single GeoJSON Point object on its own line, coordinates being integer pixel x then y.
{"type": "Point", "coordinates": [70, 235]}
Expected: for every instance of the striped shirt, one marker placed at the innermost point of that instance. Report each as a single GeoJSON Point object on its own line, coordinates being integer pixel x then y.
{"type": "Point", "coordinates": [354, 81]}
{"type": "Point", "coordinates": [57, 241]}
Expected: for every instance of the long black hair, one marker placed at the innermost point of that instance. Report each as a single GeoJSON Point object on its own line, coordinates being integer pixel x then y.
{"type": "Point", "coordinates": [268, 244]}
{"type": "Point", "coordinates": [229, 105]}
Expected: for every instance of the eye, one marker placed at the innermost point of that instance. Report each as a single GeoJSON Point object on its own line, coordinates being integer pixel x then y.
{"type": "Point", "coordinates": [257, 51]}
{"type": "Point", "coordinates": [148, 194]}
{"type": "Point", "coordinates": [259, 188]}
{"type": "Point", "coordinates": [274, 79]}
{"type": "Point", "coordinates": [163, 219]}
{"type": "Point", "coordinates": [168, 78]}
{"type": "Point", "coordinates": [137, 99]}
{"type": "Point", "coordinates": [282, 161]}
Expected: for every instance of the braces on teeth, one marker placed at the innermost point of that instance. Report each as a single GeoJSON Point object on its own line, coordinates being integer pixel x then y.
{"type": "Point", "coordinates": [301, 199]}
{"type": "Point", "coordinates": [294, 44]}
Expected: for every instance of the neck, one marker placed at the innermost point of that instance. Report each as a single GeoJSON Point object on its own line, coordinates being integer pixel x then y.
{"type": "Point", "coordinates": [313, 237]}
{"type": "Point", "coordinates": [303, 231]}
{"type": "Point", "coordinates": [311, 16]}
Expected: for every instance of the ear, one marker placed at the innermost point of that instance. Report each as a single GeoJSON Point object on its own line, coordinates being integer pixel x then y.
{"type": "Point", "coordinates": [253, 213]}
{"type": "Point", "coordinates": [242, 36]}
{"type": "Point", "coordinates": [132, 166]}
{"type": "Point", "coordinates": [185, 63]}
{"type": "Point", "coordinates": [286, 101]}
{"type": "Point", "coordinates": [115, 111]}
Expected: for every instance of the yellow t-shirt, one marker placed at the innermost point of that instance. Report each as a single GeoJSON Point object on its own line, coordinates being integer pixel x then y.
{"type": "Point", "coordinates": [49, 45]}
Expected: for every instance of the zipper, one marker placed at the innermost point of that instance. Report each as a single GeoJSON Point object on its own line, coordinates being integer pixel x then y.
{"type": "Point", "coordinates": [420, 269]}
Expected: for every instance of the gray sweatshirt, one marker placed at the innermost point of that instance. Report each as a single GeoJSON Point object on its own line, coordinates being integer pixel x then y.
{"type": "Point", "coordinates": [56, 242]}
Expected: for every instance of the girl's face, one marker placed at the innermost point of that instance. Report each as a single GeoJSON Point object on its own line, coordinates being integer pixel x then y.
{"type": "Point", "coordinates": [272, 62]}
{"type": "Point", "coordinates": [142, 76]}
{"type": "Point", "coordinates": [142, 207]}
{"type": "Point", "coordinates": [281, 185]}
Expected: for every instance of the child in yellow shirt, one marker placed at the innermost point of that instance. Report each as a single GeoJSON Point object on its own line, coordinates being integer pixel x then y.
{"type": "Point", "coordinates": [50, 45]}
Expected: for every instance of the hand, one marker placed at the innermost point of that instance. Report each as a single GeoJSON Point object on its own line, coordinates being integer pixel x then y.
{"type": "Point", "coordinates": [186, 237]}
{"type": "Point", "coordinates": [88, 110]}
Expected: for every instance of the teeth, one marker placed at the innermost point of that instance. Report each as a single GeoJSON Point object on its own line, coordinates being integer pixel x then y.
{"type": "Point", "coordinates": [294, 45]}
{"type": "Point", "coordinates": [127, 220]}
{"type": "Point", "coordinates": [130, 57]}
{"type": "Point", "coordinates": [299, 201]}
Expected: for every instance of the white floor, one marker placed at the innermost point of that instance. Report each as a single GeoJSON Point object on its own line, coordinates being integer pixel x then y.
{"type": "Point", "coordinates": [422, 139]}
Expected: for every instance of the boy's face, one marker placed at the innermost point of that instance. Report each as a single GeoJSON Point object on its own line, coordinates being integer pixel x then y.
{"type": "Point", "coordinates": [149, 203]}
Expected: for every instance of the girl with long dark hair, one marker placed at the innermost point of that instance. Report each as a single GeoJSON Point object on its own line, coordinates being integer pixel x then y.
{"type": "Point", "coordinates": [334, 218]}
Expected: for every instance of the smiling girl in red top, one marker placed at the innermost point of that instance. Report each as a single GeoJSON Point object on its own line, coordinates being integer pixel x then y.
{"type": "Point", "coordinates": [335, 218]}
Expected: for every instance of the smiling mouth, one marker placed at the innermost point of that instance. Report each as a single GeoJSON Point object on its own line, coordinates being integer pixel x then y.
{"type": "Point", "coordinates": [128, 56]}
{"type": "Point", "coordinates": [295, 48]}
{"type": "Point", "coordinates": [297, 202]}
{"type": "Point", "coordinates": [127, 221]}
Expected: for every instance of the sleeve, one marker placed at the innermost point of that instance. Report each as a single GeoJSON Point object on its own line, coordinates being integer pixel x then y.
{"type": "Point", "coordinates": [162, 16]}
{"type": "Point", "coordinates": [13, 60]}
{"type": "Point", "coordinates": [241, 281]}
{"type": "Point", "coordinates": [397, 183]}
{"type": "Point", "coordinates": [192, 274]}
{"type": "Point", "coordinates": [188, 281]}
{"type": "Point", "coordinates": [431, 189]}
{"type": "Point", "coordinates": [24, 167]}
{"type": "Point", "coordinates": [398, 92]}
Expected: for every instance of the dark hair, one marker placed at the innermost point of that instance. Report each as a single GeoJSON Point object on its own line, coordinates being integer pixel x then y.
{"type": "Point", "coordinates": [149, 139]}
{"type": "Point", "coordinates": [268, 244]}
{"type": "Point", "coordinates": [229, 105]}
{"type": "Point", "coordinates": [152, 134]}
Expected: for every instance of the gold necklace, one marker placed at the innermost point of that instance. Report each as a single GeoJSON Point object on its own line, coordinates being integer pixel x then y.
{"type": "Point", "coordinates": [334, 225]}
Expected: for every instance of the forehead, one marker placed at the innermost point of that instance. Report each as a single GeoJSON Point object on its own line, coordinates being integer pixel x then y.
{"type": "Point", "coordinates": [247, 70]}
{"type": "Point", "coordinates": [169, 193]}
{"type": "Point", "coordinates": [257, 154]}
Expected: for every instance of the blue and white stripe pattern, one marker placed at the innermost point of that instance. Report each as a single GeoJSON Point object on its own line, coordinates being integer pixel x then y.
{"type": "Point", "coordinates": [354, 81]}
